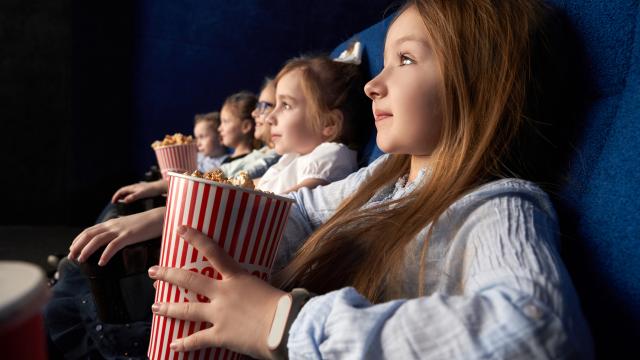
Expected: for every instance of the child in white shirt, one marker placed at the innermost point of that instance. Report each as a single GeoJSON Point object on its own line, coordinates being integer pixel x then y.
{"type": "Point", "coordinates": [318, 101]}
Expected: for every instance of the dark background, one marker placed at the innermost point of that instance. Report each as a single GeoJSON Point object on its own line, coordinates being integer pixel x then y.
{"type": "Point", "coordinates": [85, 86]}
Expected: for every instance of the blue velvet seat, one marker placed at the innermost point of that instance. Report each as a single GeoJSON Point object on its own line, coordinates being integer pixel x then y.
{"type": "Point", "coordinates": [599, 204]}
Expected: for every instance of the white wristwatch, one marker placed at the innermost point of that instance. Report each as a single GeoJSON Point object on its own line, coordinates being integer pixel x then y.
{"type": "Point", "coordinates": [287, 310]}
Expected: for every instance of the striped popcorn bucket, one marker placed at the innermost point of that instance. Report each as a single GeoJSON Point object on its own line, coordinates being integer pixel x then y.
{"type": "Point", "coordinates": [178, 158]}
{"type": "Point", "coordinates": [248, 224]}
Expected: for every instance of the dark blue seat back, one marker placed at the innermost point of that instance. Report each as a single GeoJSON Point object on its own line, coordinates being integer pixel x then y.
{"type": "Point", "coordinates": [599, 204]}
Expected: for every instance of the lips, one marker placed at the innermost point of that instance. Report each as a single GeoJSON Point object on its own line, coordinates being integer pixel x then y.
{"type": "Point", "coordinates": [381, 115]}
{"type": "Point", "coordinates": [275, 137]}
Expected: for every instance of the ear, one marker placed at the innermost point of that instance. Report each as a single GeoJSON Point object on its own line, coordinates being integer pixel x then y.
{"type": "Point", "coordinates": [246, 126]}
{"type": "Point", "coordinates": [332, 127]}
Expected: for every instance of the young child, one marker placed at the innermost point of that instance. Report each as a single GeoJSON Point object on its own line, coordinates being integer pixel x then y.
{"type": "Point", "coordinates": [259, 160]}
{"type": "Point", "coordinates": [211, 152]}
{"type": "Point", "coordinates": [432, 251]}
{"type": "Point", "coordinates": [317, 107]}
{"type": "Point", "coordinates": [236, 124]}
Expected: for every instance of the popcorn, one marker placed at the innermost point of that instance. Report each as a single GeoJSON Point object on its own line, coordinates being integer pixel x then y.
{"type": "Point", "coordinates": [175, 139]}
{"type": "Point", "coordinates": [242, 179]}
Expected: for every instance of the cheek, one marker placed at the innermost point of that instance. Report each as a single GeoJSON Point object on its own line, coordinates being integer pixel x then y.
{"type": "Point", "coordinates": [233, 129]}
{"type": "Point", "coordinates": [423, 111]}
{"type": "Point", "coordinates": [296, 132]}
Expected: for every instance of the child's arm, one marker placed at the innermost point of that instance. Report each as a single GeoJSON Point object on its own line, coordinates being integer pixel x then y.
{"type": "Point", "coordinates": [141, 190]}
{"type": "Point", "coordinates": [117, 233]}
{"type": "Point", "coordinates": [510, 298]}
{"type": "Point", "coordinates": [307, 183]}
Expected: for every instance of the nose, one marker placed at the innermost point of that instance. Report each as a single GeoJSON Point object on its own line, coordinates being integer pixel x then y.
{"type": "Point", "coordinates": [271, 119]}
{"type": "Point", "coordinates": [254, 114]}
{"type": "Point", "coordinates": [374, 89]}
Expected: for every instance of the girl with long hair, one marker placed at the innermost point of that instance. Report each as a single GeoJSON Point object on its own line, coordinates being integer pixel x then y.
{"type": "Point", "coordinates": [442, 248]}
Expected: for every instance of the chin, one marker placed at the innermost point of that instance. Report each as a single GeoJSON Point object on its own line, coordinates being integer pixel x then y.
{"type": "Point", "coordinates": [279, 150]}
{"type": "Point", "coordinates": [385, 145]}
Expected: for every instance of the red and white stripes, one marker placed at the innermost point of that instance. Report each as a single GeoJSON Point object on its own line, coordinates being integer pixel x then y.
{"type": "Point", "coordinates": [178, 158]}
{"type": "Point", "coordinates": [247, 224]}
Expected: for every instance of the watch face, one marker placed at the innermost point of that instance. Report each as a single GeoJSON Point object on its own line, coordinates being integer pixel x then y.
{"type": "Point", "coordinates": [279, 323]}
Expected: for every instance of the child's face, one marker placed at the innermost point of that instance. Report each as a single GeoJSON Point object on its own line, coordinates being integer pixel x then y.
{"type": "Point", "coordinates": [291, 130]}
{"type": "Point", "coordinates": [267, 97]}
{"type": "Point", "coordinates": [207, 138]}
{"type": "Point", "coordinates": [406, 94]}
{"type": "Point", "coordinates": [232, 130]}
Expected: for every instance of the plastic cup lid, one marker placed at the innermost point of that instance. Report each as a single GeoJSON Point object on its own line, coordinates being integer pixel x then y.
{"type": "Point", "coordinates": [21, 285]}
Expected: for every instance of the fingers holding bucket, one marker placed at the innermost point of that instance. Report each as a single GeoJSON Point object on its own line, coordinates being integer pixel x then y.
{"type": "Point", "coordinates": [190, 280]}
{"type": "Point", "coordinates": [199, 340]}
{"type": "Point", "coordinates": [192, 311]}
{"type": "Point", "coordinates": [220, 260]}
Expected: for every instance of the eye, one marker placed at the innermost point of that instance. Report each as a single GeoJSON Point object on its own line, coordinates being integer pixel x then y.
{"type": "Point", "coordinates": [286, 106]}
{"type": "Point", "coordinates": [405, 60]}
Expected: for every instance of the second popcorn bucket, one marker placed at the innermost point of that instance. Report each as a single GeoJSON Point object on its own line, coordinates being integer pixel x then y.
{"type": "Point", "coordinates": [179, 158]}
{"type": "Point", "coordinates": [177, 152]}
{"type": "Point", "coordinates": [248, 224]}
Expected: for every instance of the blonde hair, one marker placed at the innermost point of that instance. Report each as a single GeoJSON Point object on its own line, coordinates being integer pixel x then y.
{"type": "Point", "coordinates": [483, 49]}
{"type": "Point", "coordinates": [212, 119]}
{"type": "Point", "coordinates": [329, 85]}
{"type": "Point", "coordinates": [241, 104]}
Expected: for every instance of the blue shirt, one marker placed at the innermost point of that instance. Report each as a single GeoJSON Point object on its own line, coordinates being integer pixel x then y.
{"type": "Point", "coordinates": [495, 284]}
{"type": "Point", "coordinates": [208, 163]}
{"type": "Point", "coordinates": [256, 163]}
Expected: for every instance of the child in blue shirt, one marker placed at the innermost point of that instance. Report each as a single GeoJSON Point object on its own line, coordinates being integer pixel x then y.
{"type": "Point", "coordinates": [211, 152]}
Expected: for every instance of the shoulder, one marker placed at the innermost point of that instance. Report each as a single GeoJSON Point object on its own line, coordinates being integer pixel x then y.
{"type": "Point", "coordinates": [330, 153]}
{"type": "Point", "coordinates": [256, 153]}
{"type": "Point", "coordinates": [270, 154]}
{"type": "Point", "coordinates": [287, 159]}
{"type": "Point", "coordinates": [283, 162]}
{"type": "Point", "coordinates": [503, 206]}
{"type": "Point", "coordinates": [522, 190]}
{"type": "Point", "coordinates": [329, 148]}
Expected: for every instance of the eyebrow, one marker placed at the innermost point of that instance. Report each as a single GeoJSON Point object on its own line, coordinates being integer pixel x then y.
{"type": "Point", "coordinates": [289, 97]}
{"type": "Point", "coordinates": [413, 38]}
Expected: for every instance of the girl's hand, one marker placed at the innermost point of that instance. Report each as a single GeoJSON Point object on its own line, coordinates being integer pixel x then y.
{"type": "Point", "coordinates": [117, 233]}
{"type": "Point", "coordinates": [241, 308]}
{"type": "Point", "coordinates": [141, 190]}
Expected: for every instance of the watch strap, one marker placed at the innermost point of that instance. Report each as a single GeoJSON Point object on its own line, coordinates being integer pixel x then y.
{"type": "Point", "coordinates": [283, 319]}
